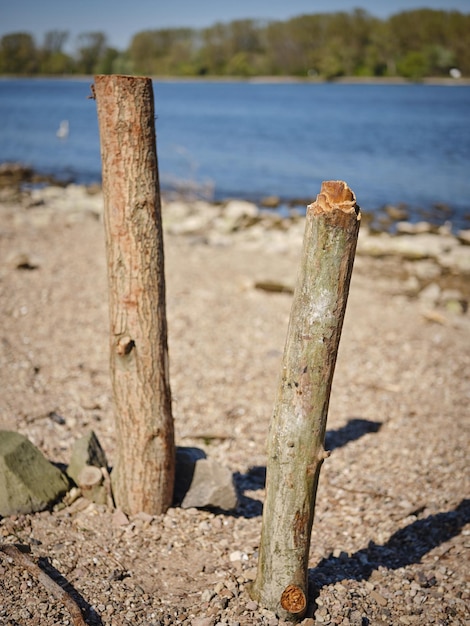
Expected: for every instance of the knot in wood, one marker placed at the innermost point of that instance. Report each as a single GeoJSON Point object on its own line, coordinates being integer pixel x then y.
{"type": "Point", "coordinates": [293, 600]}
{"type": "Point", "coordinates": [124, 345]}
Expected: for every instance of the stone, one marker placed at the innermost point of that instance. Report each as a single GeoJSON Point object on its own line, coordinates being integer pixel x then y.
{"type": "Point", "coordinates": [430, 294]}
{"type": "Point", "coordinates": [273, 286]}
{"type": "Point", "coordinates": [407, 228]}
{"type": "Point", "coordinates": [396, 213]}
{"type": "Point", "coordinates": [28, 481]}
{"type": "Point", "coordinates": [270, 202]}
{"type": "Point", "coordinates": [20, 260]}
{"type": "Point", "coordinates": [86, 451]}
{"type": "Point", "coordinates": [203, 483]}
{"type": "Point", "coordinates": [203, 621]}
{"type": "Point", "coordinates": [464, 237]}
{"type": "Point", "coordinates": [238, 214]}
{"type": "Point", "coordinates": [119, 518]}
{"type": "Point", "coordinates": [186, 459]}
{"type": "Point", "coordinates": [412, 247]}
{"type": "Point", "coordinates": [456, 259]}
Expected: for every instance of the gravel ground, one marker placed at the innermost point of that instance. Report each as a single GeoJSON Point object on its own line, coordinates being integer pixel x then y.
{"type": "Point", "coordinates": [392, 522]}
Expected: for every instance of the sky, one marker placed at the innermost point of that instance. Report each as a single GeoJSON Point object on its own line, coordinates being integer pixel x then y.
{"type": "Point", "coordinates": [120, 20]}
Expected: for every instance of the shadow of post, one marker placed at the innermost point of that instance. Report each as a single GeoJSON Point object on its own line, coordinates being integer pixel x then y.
{"type": "Point", "coordinates": [255, 478]}
{"type": "Point", "coordinates": [405, 547]}
{"type": "Point", "coordinates": [90, 615]}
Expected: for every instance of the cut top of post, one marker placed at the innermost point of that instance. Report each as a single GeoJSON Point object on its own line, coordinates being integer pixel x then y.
{"type": "Point", "coordinates": [334, 195]}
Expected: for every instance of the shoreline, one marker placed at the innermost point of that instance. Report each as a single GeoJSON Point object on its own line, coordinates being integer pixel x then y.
{"type": "Point", "coordinates": [346, 80]}
{"type": "Point", "coordinates": [421, 253]}
{"type": "Point", "coordinates": [20, 177]}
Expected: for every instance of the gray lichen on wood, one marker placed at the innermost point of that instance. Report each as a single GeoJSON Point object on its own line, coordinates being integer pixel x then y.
{"type": "Point", "coordinates": [297, 433]}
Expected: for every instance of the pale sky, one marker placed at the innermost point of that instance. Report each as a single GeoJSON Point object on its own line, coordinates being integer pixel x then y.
{"type": "Point", "coordinates": [119, 20]}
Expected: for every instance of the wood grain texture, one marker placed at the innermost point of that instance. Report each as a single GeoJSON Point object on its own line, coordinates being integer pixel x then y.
{"type": "Point", "coordinates": [144, 476]}
{"type": "Point", "coordinates": [297, 433]}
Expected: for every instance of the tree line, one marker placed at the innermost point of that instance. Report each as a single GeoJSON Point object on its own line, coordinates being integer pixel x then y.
{"type": "Point", "coordinates": [411, 44]}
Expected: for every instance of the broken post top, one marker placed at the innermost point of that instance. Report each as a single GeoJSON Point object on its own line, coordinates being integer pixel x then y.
{"type": "Point", "coordinates": [334, 195]}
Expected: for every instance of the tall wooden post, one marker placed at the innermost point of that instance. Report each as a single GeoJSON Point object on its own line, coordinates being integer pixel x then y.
{"type": "Point", "coordinates": [297, 434]}
{"type": "Point", "coordinates": [143, 475]}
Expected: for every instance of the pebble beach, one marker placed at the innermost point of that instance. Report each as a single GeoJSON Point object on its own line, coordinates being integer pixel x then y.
{"type": "Point", "coordinates": [392, 520]}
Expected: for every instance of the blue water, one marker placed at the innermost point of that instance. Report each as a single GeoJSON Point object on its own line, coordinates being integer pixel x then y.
{"type": "Point", "coordinates": [391, 143]}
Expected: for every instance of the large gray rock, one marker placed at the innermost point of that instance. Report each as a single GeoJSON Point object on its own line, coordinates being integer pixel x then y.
{"type": "Point", "coordinates": [28, 481]}
{"type": "Point", "coordinates": [202, 482]}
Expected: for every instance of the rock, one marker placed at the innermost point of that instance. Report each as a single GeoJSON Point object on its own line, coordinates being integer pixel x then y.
{"type": "Point", "coordinates": [203, 621]}
{"type": "Point", "coordinates": [456, 259]}
{"type": "Point", "coordinates": [270, 202]}
{"type": "Point", "coordinates": [426, 270]}
{"type": "Point", "coordinates": [407, 228]}
{"type": "Point", "coordinates": [15, 173]}
{"type": "Point", "coordinates": [412, 247]}
{"type": "Point", "coordinates": [430, 294]}
{"type": "Point", "coordinates": [28, 481]}
{"type": "Point", "coordinates": [396, 213]}
{"type": "Point", "coordinates": [464, 237]}
{"type": "Point", "coordinates": [120, 518]}
{"type": "Point", "coordinates": [238, 214]}
{"type": "Point", "coordinates": [202, 483]}
{"type": "Point", "coordinates": [238, 555]}
{"type": "Point", "coordinates": [22, 261]}
{"type": "Point", "coordinates": [273, 286]}
{"type": "Point", "coordinates": [454, 301]}
{"type": "Point", "coordinates": [251, 605]}
{"type": "Point", "coordinates": [186, 459]}
{"type": "Point", "coordinates": [86, 451]}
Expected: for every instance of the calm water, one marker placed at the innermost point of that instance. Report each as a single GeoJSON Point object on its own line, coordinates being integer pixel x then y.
{"type": "Point", "coordinates": [392, 143]}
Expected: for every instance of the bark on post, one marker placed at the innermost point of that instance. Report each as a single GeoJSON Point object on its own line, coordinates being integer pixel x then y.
{"type": "Point", "coordinates": [297, 433]}
{"type": "Point", "coordinates": [143, 476]}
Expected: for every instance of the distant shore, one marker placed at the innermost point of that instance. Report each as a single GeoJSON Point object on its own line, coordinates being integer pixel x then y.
{"type": "Point", "coordinates": [345, 80]}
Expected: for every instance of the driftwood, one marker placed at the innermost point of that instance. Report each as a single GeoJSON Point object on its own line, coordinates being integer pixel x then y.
{"type": "Point", "coordinates": [23, 560]}
{"type": "Point", "coordinates": [297, 434]}
{"type": "Point", "coordinates": [143, 475]}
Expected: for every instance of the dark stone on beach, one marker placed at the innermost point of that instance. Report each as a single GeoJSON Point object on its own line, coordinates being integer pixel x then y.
{"type": "Point", "coordinates": [273, 287]}
{"type": "Point", "coordinates": [12, 174]}
{"type": "Point", "coordinates": [202, 483]}
{"type": "Point", "coordinates": [28, 481]}
{"type": "Point", "coordinates": [17, 174]}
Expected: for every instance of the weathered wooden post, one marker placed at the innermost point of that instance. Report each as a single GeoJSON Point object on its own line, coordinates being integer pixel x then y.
{"type": "Point", "coordinates": [143, 476]}
{"type": "Point", "coordinates": [297, 433]}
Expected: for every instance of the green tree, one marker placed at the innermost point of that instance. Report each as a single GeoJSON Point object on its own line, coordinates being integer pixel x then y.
{"type": "Point", "coordinates": [458, 41]}
{"type": "Point", "coordinates": [214, 53]}
{"type": "Point", "coordinates": [107, 61]}
{"type": "Point", "coordinates": [162, 51]}
{"type": "Point", "coordinates": [413, 44]}
{"type": "Point", "coordinates": [413, 65]}
{"type": "Point", "coordinates": [53, 59]}
{"type": "Point", "coordinates": [91, 52]}
{"type": "Point", "coordinates": [18, 54]}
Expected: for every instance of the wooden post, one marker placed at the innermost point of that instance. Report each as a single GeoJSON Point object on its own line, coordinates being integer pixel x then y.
{"type": "Point", "coordinates": [143, 475]}
{"type": "Point", "coordinates": [297, 434]}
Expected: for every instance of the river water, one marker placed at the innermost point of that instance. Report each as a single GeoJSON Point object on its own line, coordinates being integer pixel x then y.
{"type": "Point", "coordinates": [393, 144]}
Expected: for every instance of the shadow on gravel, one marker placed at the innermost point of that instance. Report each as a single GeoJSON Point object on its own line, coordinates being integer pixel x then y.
{"type": "Point", "coordinates": [255, 478]}
{"type": "Point", "coordinates": [353, 430]}
{"type": "Point", "coordinates": [405, 547]}
{"type": "Point", "coordinates": [89, 614]}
